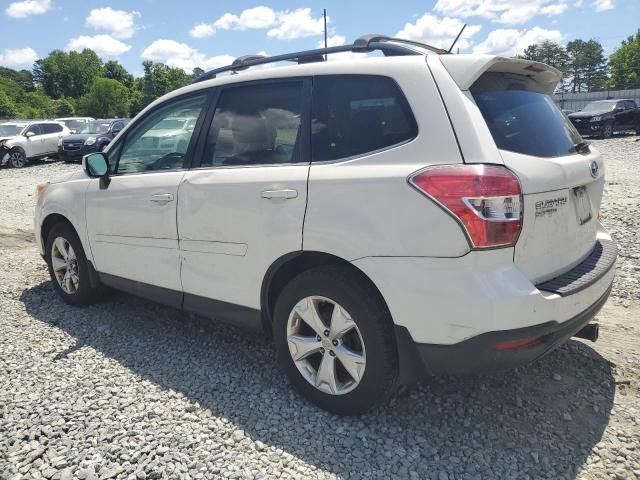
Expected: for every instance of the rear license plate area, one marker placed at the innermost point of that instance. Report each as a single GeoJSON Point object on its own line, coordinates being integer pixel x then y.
{"type": "Point", "coordinates": [582, 204]}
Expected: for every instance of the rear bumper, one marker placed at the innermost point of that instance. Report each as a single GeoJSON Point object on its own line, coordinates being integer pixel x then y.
{"type": "Point", "coordinates": [480, 354]}
{"type": "Point", "coordinates": [449, 313]}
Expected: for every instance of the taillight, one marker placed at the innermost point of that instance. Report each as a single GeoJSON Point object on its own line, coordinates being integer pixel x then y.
{"type": "Point", "coordinates": [485, 199]}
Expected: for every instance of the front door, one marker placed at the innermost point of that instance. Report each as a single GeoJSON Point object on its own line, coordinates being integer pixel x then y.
{"type": "Point", "coordinates": [243, 205]}
{"type": "Point", "coordinates": [132, 222]}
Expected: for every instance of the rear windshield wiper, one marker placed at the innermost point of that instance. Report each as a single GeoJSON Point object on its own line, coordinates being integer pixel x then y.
{"type": "Point", "coordinates": [582, 147]}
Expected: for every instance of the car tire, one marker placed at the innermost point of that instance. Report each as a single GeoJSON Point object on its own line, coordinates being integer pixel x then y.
{"type": "Point", "coordinates": [17, 158]}
{"type": "Point", "coordinates": [68, 267]}
{"type": "Point", "coordinates": [359, 339]}
{"type": "Point", "coordinates": [607, 131]}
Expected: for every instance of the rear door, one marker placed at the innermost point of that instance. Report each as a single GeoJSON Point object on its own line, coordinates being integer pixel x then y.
{"type": "Point", "coordinates": [562, 186]}
{"type": "Point", "coordinates": [53, 133]}
{"type": "Point", "coordinates": [243, 205]}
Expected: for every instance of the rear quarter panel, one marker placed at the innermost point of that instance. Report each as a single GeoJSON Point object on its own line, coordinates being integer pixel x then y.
{"type": "Point", "coordinates": [364, 206]}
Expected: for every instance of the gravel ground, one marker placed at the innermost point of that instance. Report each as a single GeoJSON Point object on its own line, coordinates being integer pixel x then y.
{"type": "Point", "coordinates": [129, 389]}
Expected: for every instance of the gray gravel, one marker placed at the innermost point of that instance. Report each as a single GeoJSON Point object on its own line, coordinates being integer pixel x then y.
{"type": "Point", "coordinates": [129, 389]}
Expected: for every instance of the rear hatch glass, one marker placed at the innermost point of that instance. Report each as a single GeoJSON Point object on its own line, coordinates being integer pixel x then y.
{"type": "Point", "coordinates": [561, 196]}
{"type": "Point", "coordinates": [523, 121]}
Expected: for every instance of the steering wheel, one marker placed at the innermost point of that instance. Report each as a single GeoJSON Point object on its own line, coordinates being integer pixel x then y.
{"type": "Point", "coordinates": [168, 161]}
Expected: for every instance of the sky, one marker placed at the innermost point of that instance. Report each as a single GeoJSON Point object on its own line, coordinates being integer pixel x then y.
{"type": "Point", "coordinates": [207, 34]}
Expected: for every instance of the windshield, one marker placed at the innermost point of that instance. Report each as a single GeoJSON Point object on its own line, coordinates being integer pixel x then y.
{"type": "Point", "coordinates": [599, 107]}
{"type": "Point", "coordinates": [74, 124]}
{"type": "Point", "coordinates": [526, 122]}
{"type": "Point", "coordinates": [10, 130]}
{"type": "Point", "coordinates": [169, 124]}
{"type": "Point", "coordinates": [93, 127]}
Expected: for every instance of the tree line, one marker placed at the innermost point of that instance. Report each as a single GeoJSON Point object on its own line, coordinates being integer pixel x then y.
{"type": "Point", "coordinates": [67, 84]}
{"type": "Point", "coordinates": [80, 84]}
{"type": "Point", "coordinates": [585, 67]}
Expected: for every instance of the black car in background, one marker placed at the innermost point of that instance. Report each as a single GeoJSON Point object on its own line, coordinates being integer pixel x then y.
{"type": "Point", "coordinates": [90, 137]}
{"type": "Point", "coordinates": [604, 117]}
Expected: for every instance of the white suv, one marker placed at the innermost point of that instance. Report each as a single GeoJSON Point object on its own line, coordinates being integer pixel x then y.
{"type": "Point", "coordinates": [381, 218]}
{"type": "Point", "coordinates": [30, 140]}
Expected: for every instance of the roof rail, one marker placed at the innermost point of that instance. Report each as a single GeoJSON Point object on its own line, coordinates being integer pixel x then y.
{"type": "Point", "coordinates": [389, 46]}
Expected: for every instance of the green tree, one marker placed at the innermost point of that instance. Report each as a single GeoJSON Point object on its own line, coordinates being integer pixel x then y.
{"type": "Point", "coordinates": [548, 52]}
{"type": "Point", "coordinates": [625, 64]}
{"type": "Point", "coordinates": [587, 67]}
{"type": "Point", "coordinates": [67, 74]}
{"type": "Point", "coordinates": [115, 71]}
{"type": "Point", "coordinates": [158, 80]}
{"type": "Point", "coordinates": [106, 98]}
{"type": "Point", "coordinates": [7, 106]}
{"type": "Point", "coordinates": [64, 108]}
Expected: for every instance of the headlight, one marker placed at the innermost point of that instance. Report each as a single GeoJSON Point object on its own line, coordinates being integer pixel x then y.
{"type": "Point", "coordinates": [596, 119]}
{"type": "Point", "coordinates": [90, 141]}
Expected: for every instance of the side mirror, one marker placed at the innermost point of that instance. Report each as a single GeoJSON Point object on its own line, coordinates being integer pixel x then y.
{"type": "Point", "coordinates": [96, 165]}
{"type": "Point", "coordinates": [29, 134]}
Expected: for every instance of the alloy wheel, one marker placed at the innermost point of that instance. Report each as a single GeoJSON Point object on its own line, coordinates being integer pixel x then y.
{"type": "Point", "coordinates": [326, 345]}
{"type": "Point", "coordinates": [65, 265]}
{"type": "Point", "coordinates": [17, 159]}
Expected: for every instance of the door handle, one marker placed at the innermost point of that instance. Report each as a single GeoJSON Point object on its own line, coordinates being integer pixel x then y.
{"type": "Point", "coordinates": [285, 193]}
{"type": "Point", "coordinates": [162, 198]}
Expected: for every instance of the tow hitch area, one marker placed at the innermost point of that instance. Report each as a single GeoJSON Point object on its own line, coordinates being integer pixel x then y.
{"type": "Point", "coordinates": [589, 332]}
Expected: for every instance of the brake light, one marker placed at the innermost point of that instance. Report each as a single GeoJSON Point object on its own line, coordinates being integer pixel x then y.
{"type": "Point", "coordinates": [485, 199]}
{"type": "Point", "coordinates": [515, 344]}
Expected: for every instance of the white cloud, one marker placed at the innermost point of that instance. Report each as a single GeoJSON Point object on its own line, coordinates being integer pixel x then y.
{"type": "Point", "coordinates": [509, 41]}
{"type": "Point", "coordinates": [297, 24]}
{"type": "Point", "coordinates": [257, 17]}
{"type": "Point", "coordinates": [103, 45]}
{"type": "Point", "coordinates": [27, 8]}
{"type": "Point", "coordinates": [511, 12]}
{"type": "Point", "coordinates": [202, 30]}
{"type": "Point", "coordinates": [602, 5]}
{"type": "Point", "coordinates": [439, 32]}
{"type": "Point", "coordinates": [283, 25]}
{"type": "Point", "coordinates": [556, 9]}
{"type": "Point", "coordinates": [119, 23]}
{"type": "Point", "coordinates": [183, 56]}
{"type": "Point", "coordinates": [333, 41]}
{"type": "Point", "coordinates": [18, 57]}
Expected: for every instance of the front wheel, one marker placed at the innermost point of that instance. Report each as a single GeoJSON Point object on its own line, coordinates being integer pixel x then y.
{"type": "Point", "coordinates": [607, 131]}
{"type": "Point", "coordinates": [68, 266]}
{"type": "Point", "coordinates": [335, 340]}
{"type": "Point", "coordinates": [17, 158]}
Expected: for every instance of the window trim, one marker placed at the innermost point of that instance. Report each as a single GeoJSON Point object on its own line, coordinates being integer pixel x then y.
{"type": "Point", "coordinates": [371, 152]}
{"type": "Point", "coordinates": [208, 93]}
{"type": "Point", "coordinates": [305, 122]}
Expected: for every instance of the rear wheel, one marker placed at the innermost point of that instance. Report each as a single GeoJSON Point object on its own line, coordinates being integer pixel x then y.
{"type": "Point", "coordinates": [607, 131]}
{"type": "Point", "coordinates": [17, 158]}
{"type": "Point", "coordinates": [335, 340]}
{"type": "Point", "coordinates": [68, 266]}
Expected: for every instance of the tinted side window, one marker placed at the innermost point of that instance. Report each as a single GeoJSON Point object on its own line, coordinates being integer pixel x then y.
{"type": "Point", "coordinates": [358, 114]}
{"type": "Point", "coordinates": [256, 125]}
{"type": "Point", "coordinates": [150, 147]}
{"type": "Point", "coordinates": [52, 128]}
{"type": "Point", "coordinates": [36, 129]}
{"type": "Point", "coordinates": [630, 104]}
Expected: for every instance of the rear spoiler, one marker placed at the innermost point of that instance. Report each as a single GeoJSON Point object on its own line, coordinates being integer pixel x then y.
{"type": "Point", "coordinates": [466, 69]}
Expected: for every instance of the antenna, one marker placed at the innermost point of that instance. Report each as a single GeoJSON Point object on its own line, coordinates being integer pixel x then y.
{"type": "Point", "coordinates": [457, 38]}
{"type": "Point", "coordinates": [324, 14]}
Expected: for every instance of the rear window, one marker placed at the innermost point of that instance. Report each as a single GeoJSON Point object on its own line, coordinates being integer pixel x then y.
{"type": "Point", "coordinates": [523, 121]}
{"type": "Point", "coordinates": [358, 114]}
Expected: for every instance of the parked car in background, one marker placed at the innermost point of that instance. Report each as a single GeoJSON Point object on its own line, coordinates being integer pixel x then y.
{"type": "Point", "coordinates": [29, 140]}
{"type": "Point", "coordinates": [91, 137]}
{"type": "Point", "coordinates": [74, 123]}
{"type": "Point", "coordinates": [604, 117]}
{"type": "Point", "coordinates": [379, 219]}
